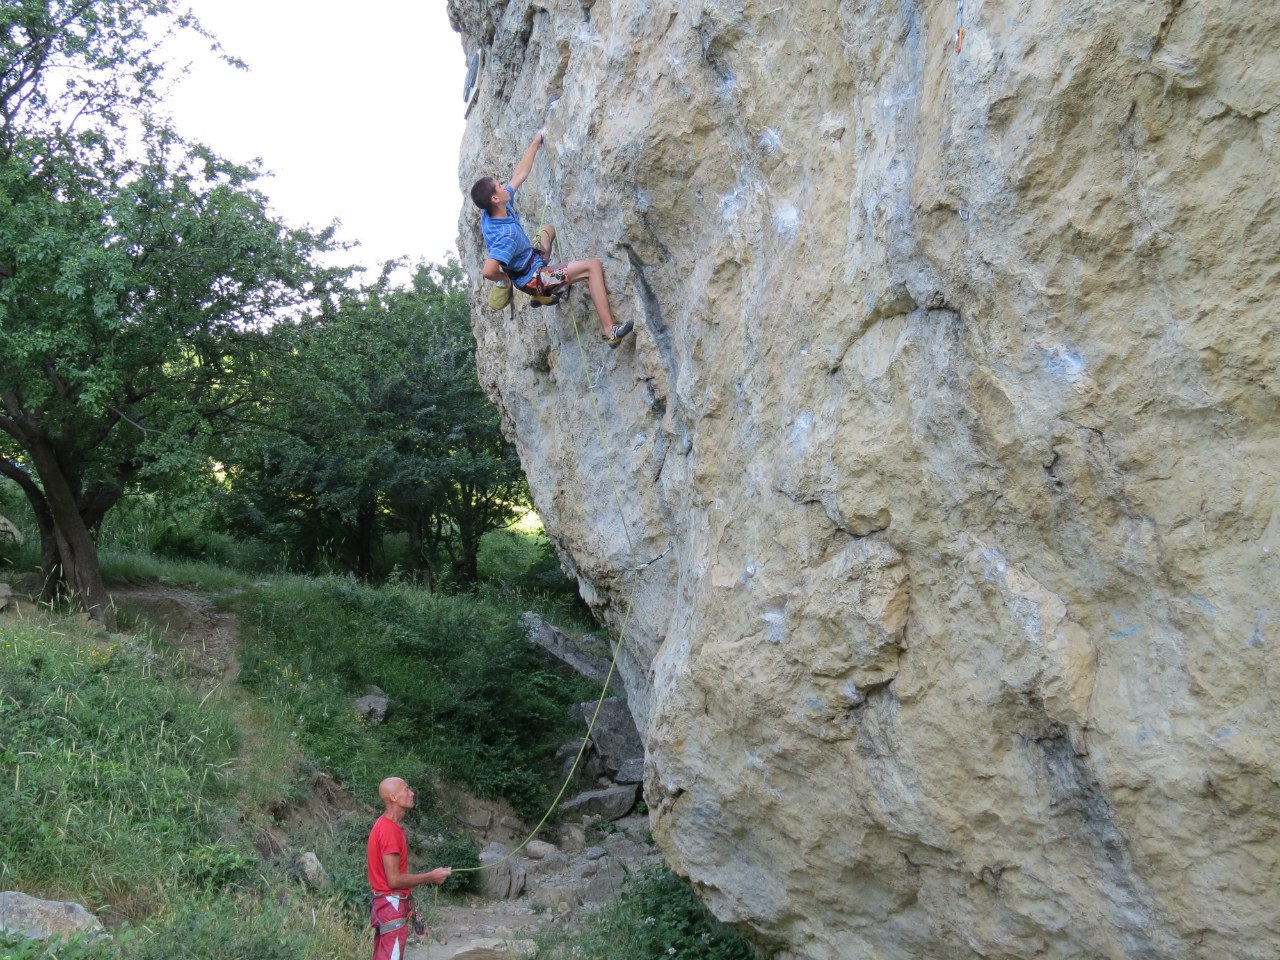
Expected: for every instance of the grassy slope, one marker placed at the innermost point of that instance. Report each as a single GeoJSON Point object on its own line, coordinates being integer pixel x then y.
{"type": "Point", "coordinates": [125, 787]}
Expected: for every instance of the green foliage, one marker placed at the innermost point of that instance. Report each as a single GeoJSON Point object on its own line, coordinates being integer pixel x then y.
{"type": "Point", "coordinates": [377, 423]}
{"type": "Point", "coordinates": [470, 697]}
{"type": "Point", "coordinates": [253, 928]}
{"type": "Point", "coordinates": [226, 926]}
{"type": "Point", "coordinates": [13, 947]}
{"type": "Point", "coordinates": [101, 57]}
{"type": "Point", "coordinates": [116, 785]}
{"type": "Point", "coordinates": [448, 847]}
{"type": "Point", "coordinates": [658, 917]}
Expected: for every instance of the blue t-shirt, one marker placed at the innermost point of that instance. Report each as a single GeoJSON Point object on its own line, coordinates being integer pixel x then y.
{"type": "Point", "coordinates": [506, 241]}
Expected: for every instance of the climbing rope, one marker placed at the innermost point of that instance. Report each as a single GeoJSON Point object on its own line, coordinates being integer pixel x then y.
{"type": "Point", "coordinates": [626, 618]}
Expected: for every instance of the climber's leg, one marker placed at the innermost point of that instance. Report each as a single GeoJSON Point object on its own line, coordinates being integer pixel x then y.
{"type": "Point", "coordinates": [546, 238]}
{"type": "Point", "coordinates": [592, 271]}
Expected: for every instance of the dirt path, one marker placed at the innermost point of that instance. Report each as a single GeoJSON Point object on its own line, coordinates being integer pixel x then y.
{"type": "Point", "coordinates": [205, 637]}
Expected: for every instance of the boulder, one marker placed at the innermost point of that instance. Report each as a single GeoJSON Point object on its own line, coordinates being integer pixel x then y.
{"type": "Point", "coordinates": [611, 803]}
{"type": "Point", "coordinates": [614, 735]}
{"type": "Point", "coordinates": [373, 706]}
{"type": "Point", "coordinates": [571, 838]}
{"type": "Point", "coordinates": [36, 919]}
{"type": "Point", "coordinates": [954, 382]}
{"type": "Point", "coordinates": [312, 872]}
{"type": "Point", "coordinates": [630, 771]}
{"type": "Point", "coordinates": [9, 531]}
{"type": "Point", "coordinates": [589, 766]}
{"type": "Point", "coordinates": [6, 596]}
{"type": "Point", "coordinates": [503, 877]}
{"type": "Point", "coordinates": [586, 654]}
{"type": "Point", "coordinates": [537, 849]}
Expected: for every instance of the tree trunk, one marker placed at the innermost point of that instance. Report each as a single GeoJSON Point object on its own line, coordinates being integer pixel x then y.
{"type": "Point", "coordinates": [74, 560]}
{"type": "Point", "coordinates": [466, 565]}
{"type": "Point", "coordinates": [423, 569]}
{"type": "Point", "coordinates": [366, 517]}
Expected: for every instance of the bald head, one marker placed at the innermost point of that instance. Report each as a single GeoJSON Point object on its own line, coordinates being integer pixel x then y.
{"type": "Point", "coordinates": [390, 788]}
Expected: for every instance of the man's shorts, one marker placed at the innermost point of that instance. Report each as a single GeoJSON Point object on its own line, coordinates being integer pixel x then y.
{"type": "Point", "coordinates": [389, 945]}
{"type": "Point", "coordinates": [546, 281]}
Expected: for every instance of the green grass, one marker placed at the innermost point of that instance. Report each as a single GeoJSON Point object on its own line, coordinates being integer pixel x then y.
{"type": "Point", "coordinates": [117, 787]}
{"type": "Point", "coordinates": [109, 776]}
{"type": "Point", "coordinates": [141, 567]}
{"type": "Point", "coordinates": [471, 699]}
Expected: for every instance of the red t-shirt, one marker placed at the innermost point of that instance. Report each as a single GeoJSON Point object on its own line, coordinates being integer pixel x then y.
{"type": "Point", "coordinates": [387, 836]}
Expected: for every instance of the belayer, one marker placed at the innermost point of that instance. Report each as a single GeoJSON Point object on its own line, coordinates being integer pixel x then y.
{"type": "Point", "coordinates": [512, 256]}
{"type": "Point", "coordinates": [392, 912]}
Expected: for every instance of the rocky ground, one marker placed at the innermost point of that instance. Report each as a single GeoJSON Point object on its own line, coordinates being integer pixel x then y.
{"type": "Point", "coordinates": [558, 885]}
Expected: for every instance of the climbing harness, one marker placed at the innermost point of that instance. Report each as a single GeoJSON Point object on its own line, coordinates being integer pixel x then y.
{"type": "Point", "coordinates": [959, 25]}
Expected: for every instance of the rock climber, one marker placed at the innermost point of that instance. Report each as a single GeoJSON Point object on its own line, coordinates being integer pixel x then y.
{"type": "Point", "coordinates": [389, 878]}
{"type": "Point", "coordinates": [512, 256]}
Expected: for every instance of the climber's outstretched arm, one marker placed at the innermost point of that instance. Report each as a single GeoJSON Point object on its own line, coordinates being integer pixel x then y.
{"type": "Point", "coordinates": [523, 168]}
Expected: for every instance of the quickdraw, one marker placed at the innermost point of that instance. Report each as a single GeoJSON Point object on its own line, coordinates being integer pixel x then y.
{"type": "Point", "coordinates": [959, 25]}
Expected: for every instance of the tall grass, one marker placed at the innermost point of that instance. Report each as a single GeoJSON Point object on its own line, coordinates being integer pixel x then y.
{"type": "Point", "coordinates": [470, 698]}
{"type": "Point", "coordinates": [108, 778]}
{"type": "Point", "coordinates": [123, 789]}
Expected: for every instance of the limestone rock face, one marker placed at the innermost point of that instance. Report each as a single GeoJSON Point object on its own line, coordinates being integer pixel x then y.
{"type": "Point", "coordinates": [951, 414]}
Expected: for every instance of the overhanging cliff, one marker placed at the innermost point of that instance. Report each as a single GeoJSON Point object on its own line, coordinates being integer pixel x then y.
{"type": "Point", "coordinates": [953, 393]}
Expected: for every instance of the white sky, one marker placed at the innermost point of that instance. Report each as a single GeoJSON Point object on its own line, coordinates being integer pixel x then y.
{"type": "Point", "coordinates": [355, 108]}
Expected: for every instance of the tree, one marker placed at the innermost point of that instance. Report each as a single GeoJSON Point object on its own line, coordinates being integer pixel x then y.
{"type": "Point", "coordinates": [69, 62]}
{"type": "Point", "coordinates": [136, 283]}
{"type": "Point", "coordinates": [134, 319]}
{"type": "Point", "coordinates": [378, 423]}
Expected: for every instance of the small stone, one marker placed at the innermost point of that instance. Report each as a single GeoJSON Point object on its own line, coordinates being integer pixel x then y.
{"type": "Point", "coordinates": [313, 873]}
{"type": "Point", "coordinates": [594, 853]}
{"type": "Point", "coordinates": [373, 707]}
{"type": "Point", "coordinates": [537, 849]}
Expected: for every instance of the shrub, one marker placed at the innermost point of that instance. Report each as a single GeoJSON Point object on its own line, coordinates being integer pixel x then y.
{"type": "Point", "coordinates": [658, 917]}
{"type": "Point", "coordinates": [469, 695]}
{"type": "Point", "coordinates": [184, 543]}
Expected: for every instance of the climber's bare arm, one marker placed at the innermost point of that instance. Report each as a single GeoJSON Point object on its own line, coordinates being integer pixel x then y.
{"type": "Point", "coordinates": [492, 270]}
{"type": "Point", "coordinates": [523, 168]}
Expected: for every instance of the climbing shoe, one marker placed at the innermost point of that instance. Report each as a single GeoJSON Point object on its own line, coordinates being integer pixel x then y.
{"type": "Point", "coordinates": [618, 332]}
